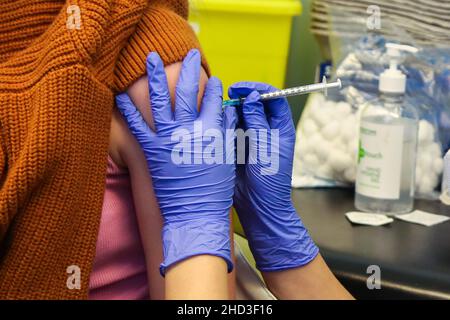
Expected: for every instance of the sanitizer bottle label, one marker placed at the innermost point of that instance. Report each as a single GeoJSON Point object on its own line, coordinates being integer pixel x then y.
{"type": "Point", "coordinates": [380, 160]}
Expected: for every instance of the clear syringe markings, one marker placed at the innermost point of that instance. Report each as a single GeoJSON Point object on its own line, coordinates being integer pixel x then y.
{"type": "Point", "coordinates": [296, 91]}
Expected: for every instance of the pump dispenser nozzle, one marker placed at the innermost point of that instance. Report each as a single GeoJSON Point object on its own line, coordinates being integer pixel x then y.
{"type": "Point", "coordinates": [392, 80]}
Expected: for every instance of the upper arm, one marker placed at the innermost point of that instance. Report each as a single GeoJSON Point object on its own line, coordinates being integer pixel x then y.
{"type": "Point", "coordinates": [123, 147]}
{"type": "Point", "coordinates": [147, 209]}
{"type": "Point", "coordinates": [125, 151]}
{"type": "Point", "coordinates": [138, 91]}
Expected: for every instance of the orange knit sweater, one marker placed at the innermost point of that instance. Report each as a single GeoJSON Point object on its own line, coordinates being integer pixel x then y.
{"type": "Point", "coordinates": [60, 64]}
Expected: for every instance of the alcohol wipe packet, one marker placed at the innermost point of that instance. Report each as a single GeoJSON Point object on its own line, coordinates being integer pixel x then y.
{"type": "Point", "coordinates": [423, 218]}
{"type": "Point", "coordinates": [368, 219]}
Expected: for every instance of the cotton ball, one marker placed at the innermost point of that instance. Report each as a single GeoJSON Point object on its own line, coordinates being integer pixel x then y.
{"type": "Point", "coordinates": [324, 118]}
{"type": "Point", "coordinates": [304, 148]}
{"type": "Point", "coordinates": [330, 104]}
{"type": "Point", "coordinates": [321, 116]}
{"type": "Point", "coordinates": [425, 185]}
{"type": "Point", "coordinates": [331, 130]}
{"type": "Point", "coordinates": [343, 109]}
{"type": "Point", "coordinates": [315, 140]}
{"type": "Point", "coordinates": [339, 145]}
{"type": "Point", "coordinates": [350, 174]}
{"type": "Point", "coordinates": [323, 148]}
{"type": "Point", "coordinates": [339, 161]}
{"type": "Point", "coordinates": [438, 165]}
{"type": "Point", "coordinates": [311, 161]}
{"type": "Point", "coordinates": [325, 171]}
{"type": "Point", "coordinates": [425, 161]}
{"type": "Point", "coordinates": [434, 149]}
{"type": "Point", "coordinates": [353, 120]}
{"type": "Point", "coordinates": [309, 127]}
{"type": "Point", "coordinates": [313, 106]}
{"type": "Point", "coordinates": [319, 98]}
{"type": "Point", "coordinates": [316, 113]}
{"type": "Point", "coordinates": [347, 132]}
{"type": "Point", "coordinates": [306, 113]}
{"type": "Point", "coordinates": [426, 131]}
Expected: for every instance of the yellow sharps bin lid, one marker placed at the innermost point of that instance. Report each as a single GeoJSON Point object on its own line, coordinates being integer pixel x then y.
{"type": "Point", "coordinates": [268, 7]}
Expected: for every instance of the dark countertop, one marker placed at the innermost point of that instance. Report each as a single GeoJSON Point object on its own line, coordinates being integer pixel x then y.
{"type": "Point", "coordinates": [414, 260]}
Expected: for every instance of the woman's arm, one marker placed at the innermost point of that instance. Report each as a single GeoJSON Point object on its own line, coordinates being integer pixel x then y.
{"type": "Point", "coordinates": [311, 281]}
{"type": "Point", "coordinates": [284, 252]}
{"type": "Point", "coordinates": [149, 218]}
{"type": "Point", "coordinates": [126, 152]}
{"type": "Point", "coordinates": [201, 277]}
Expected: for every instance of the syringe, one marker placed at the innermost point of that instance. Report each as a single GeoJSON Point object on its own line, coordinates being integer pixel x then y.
{"type": "Point", "coordinates": [296, 91]}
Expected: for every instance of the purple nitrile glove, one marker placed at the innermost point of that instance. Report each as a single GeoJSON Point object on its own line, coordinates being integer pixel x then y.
{"type": "Point", "coordinates": [193, 189]}
{"type": "Point", "coordinates": [262, 197]}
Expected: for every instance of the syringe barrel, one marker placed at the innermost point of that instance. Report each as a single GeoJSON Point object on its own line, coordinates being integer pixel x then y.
{"type": "Point", "coordinates": [289, 92]}
{"type": "Point", "coordinates": [298, 90]}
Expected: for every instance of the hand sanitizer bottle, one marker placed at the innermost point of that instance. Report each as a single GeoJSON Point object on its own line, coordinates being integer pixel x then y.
{"type": "Point", "coordinates": [388, 145]}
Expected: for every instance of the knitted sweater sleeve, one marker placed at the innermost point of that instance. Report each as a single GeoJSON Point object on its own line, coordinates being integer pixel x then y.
{"type": "Point", "coordinates": [57, 85]}
{"type": "Point", "coordinates": [163, 28]}
{"type": "Point", "coordinates": [2, 159]}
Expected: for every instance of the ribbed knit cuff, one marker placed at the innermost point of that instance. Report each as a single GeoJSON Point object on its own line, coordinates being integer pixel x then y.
{"type": "Point", "coordinates": [160, 30]}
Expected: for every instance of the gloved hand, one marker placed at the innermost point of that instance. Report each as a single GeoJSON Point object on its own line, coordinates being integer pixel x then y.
{"type": "Point", "coordinates": [262, 198]}
{"type": "Point", "coordinates": [194, 192]}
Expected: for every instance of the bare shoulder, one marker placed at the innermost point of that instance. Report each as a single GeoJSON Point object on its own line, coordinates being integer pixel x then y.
{"type": "Point", "coordinates": [124, 148]}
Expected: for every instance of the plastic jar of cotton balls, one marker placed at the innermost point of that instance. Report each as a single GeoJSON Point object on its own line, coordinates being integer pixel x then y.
{"type": "Point", "coordinates": [329, 139]}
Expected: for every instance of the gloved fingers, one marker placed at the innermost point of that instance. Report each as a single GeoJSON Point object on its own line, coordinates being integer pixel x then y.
{"type": "Point", "coordinates": [134, 119]}
{"type": "Point", "coordinates": [158, 91]}
{"type": "Point", "coordinates": [243, 89]}
{"type": "Point", "coordinates": [211, 112]}
{"type": "Point", "coordinates": [187, 88]}
{"type": "Point", "coordinates": [253, 112]}
{"type": "Point", "coordinates": [230, 118]}
{"type": "Point", "coordinates": [277, 108]}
